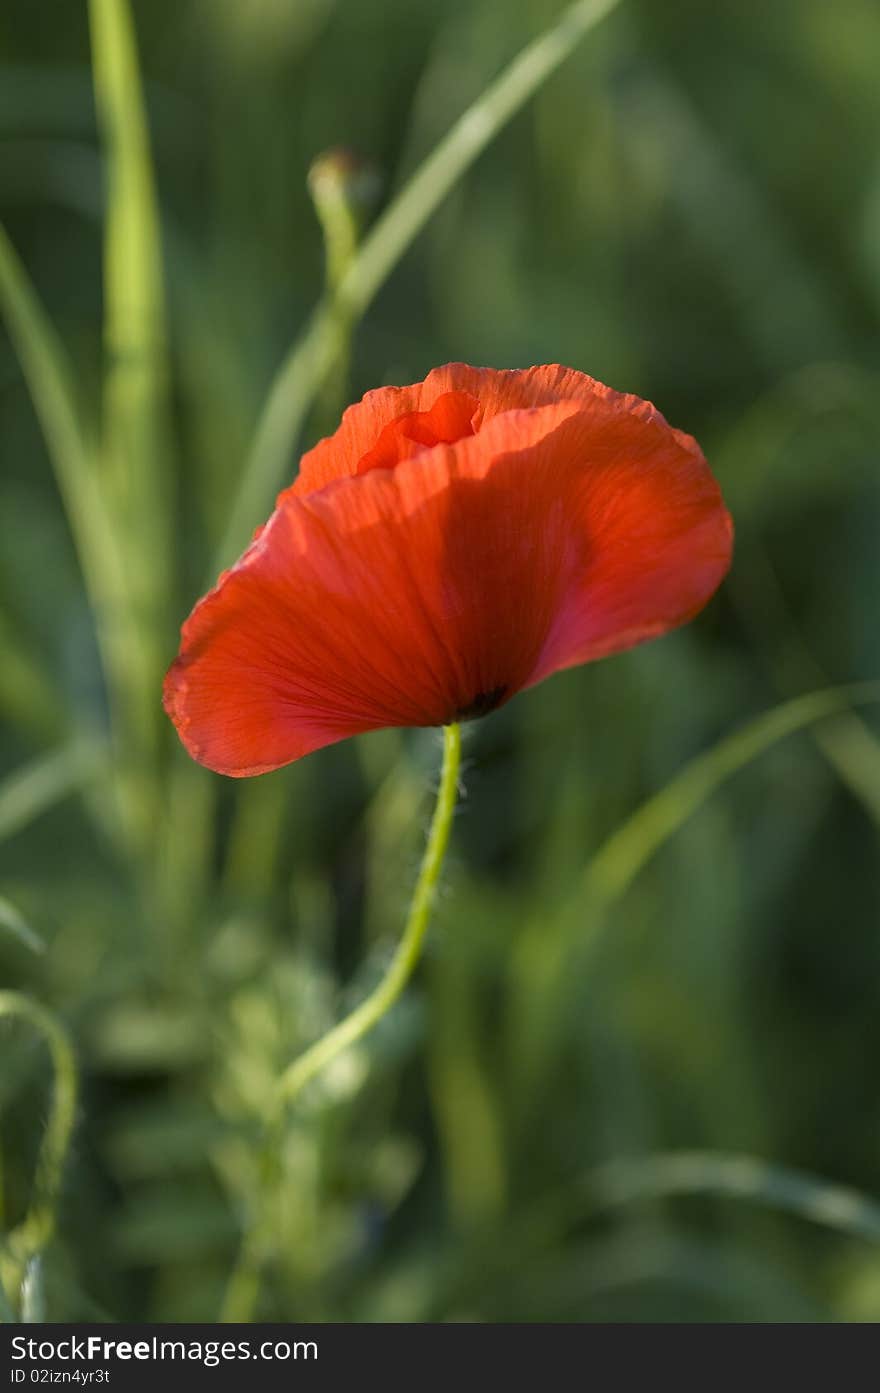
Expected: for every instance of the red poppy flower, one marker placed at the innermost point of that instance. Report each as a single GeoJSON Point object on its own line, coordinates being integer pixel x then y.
{"type": "Point", "coordinates": [454, 542]}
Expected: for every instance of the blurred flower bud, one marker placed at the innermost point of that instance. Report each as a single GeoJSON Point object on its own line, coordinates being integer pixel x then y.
{"type": "Point", "coordinates": [341, 175]}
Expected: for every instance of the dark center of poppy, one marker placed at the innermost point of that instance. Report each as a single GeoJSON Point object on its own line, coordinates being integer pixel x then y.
{"type": "Point", "coordinates": [482, 704]}
{"type": "Point", "coordinates": [453, 416]}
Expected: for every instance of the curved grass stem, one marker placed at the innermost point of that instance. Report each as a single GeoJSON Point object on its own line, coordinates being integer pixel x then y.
{"type": "Point", "coordinates": [27, 1241]}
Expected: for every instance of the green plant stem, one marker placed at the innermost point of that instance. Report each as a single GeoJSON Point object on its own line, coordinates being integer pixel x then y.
{"type": "Point", "coordinates": [134, 455]}
{"type": "Point", "coordinates": [380, 1001]}
{"type": "Point", "coordinates": [27, 1241]}
{"type": "Point", "coordinates": [340, 226]}
{"type": "Point", "coordinates": [243, 1290]}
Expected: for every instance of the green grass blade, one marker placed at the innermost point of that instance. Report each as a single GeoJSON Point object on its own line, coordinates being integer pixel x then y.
{"type": "Point", "coordinates": [311, 358]}
{"type": "Point", "coordinates": [747, 1178]}
{"type": "Point", "coordinates": [118, 516]}
{"type": "Point", "coordinates": [15, 923]}
{"type": "Point", "coordinates": [28, 699]}
{"type": "Point", "coordinates": [134, 294]}
{"type": "Point", "coordinates": [848, 742]}
{"type": "Point", "coordinates": [543, 974]}
{"type": "Point", "coordinates": [623, 855]}
{"type": "Point", "coordinates": [47, 372]}
{"type": "Point", "coordinates": [665, 1175]}
{"type": "Point", "coordinates": [134, 324]}
{"type": "Point", "coordinates": [135, 445]}
{"type": "Point", "coordinates": [49, 379]}
{"type": "Point", "coordinates": [30, 791]}
{"type": "Point", "coordinates": [468, 138]}
{"type": "Point", "coordinates": [48, 376]}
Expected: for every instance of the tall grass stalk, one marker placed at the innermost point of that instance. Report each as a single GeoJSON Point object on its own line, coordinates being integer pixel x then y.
{"type": "Point", "coordinates": [311, 358]}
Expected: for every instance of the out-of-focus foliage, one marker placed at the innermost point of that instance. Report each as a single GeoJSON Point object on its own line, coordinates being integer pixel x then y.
{"type": "Point", "coordinates": [689, 209]}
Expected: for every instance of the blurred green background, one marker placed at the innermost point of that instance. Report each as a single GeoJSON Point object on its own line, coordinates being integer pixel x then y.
{"type": "Point", "coordinates": [547, 1127]}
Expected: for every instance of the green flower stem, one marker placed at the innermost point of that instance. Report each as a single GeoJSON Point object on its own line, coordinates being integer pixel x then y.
{"type": "Point", "coordinates": [28, 1240]}
{"type": "Point", "coordinates": [379, 1002]}
{"type": "Point", "coordinates": [332, 185]}
{"type": "Point", "coordinates": [243, 1290]}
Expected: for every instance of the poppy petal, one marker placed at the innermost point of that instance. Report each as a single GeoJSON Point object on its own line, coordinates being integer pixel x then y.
{"type": "Point", "coordinates": [428, 582]}
{"type": "Point", "coordinates": [399, 597]}
{"type": "Point", "coordinates": [452, 417]}
{"type": "Point", "coordinates": [657, 538]}
{"type": "Point", "coordinates": [363, 424]}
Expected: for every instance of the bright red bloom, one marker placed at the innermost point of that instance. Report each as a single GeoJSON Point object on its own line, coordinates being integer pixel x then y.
{"type": "Point", "coordinates": [453, 542]}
